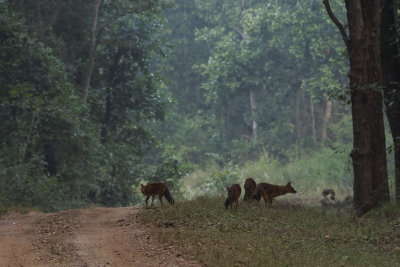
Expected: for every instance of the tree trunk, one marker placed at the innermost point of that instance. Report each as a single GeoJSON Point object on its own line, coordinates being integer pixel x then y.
{"type": "Point", "coordinates": [43, 25]}
{"type": "Point", "coordinates": [369, 148]}
{"type": "Point", "coordinates": [298, 131]}
{"type": "Point", "coordinates": [110, 82]}
{"type": "Point", "coordinates": [92, 53]}
{"type": "Point", "coordinates": [253, 114]}
{"type": "Point", "coordinates": [391, 80]}
{"type": "Point", "coordinates": [327, 116]}
{"type": "Point", "coordinates": [185, 38]}
{"type": "Point", "coordinates": [314, 131]}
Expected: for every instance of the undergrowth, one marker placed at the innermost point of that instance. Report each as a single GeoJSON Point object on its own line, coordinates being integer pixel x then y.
{"type": "Point", "coordinates": [281, 235]}
{"type": "Point", "coordinates": [310, 174]}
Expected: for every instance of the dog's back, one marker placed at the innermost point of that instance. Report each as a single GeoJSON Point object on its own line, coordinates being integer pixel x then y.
{"type": "Point", "coordinates": [154, 189]}
{"type": "Point", "coordinates": [270, 191]}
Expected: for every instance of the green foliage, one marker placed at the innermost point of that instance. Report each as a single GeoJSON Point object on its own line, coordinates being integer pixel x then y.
{"type": "Point", "coordinates": [56, 153]}
{"type": "Point", "coordinates": [310, 173]}
{"type": "Point", "coordinates": [170, 172]}
{"type": "Point", "coordinates": [218, 181]}
{"type": "Point", "coordinates": [40, 114]}
{"type": "Point", "coordinates": [242, 87]}
{"type": "Point", "coordinates": [235, 65]}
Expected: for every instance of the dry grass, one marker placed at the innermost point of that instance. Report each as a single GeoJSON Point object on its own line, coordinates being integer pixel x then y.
{"type": "Point", "coordinates": [285, 234]}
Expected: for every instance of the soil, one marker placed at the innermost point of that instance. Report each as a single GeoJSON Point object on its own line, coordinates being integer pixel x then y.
{"type": "Point", "coordinates": [84, 237]}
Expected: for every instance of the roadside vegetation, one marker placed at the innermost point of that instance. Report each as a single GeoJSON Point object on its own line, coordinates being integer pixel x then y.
{"type": "Point", "coordinates": [310, 174]}
{"type": "Point", "coordinates": [285, 234]}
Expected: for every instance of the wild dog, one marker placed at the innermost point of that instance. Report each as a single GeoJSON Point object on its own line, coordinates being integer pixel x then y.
{"type": "Point", "coordinates": [249, 188]}
{"type": "Point", "coordinates": [159, 189]}
{"type": "Point", "coordinates": [327, 192]}
{"type": "Point", "coordinates": [327, 203]}
{"type": "Point", "coordinates": [233, 195]}
{"type": "Point", "coordinates": [269, 191]}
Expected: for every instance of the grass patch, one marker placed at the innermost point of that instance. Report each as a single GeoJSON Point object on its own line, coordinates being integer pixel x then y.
{"type": "Point", "coordinates": [17, 209]}
{"type": "Point", "coordinates": [284, 234]}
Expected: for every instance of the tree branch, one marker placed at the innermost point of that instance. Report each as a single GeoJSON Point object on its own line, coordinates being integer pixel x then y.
{"type": "Point", "coordinates": [55, 14]}
{"type": "Point", "coordinates": [244, 35]}
{"type": "Point", "coordinates": [92, 53]}
{"type": "Point", "coordinates": [101, 29]}
{"type": "Point", "coordinates": [43, 25]}
{"type": "Point", "coordinates": [338, 24]}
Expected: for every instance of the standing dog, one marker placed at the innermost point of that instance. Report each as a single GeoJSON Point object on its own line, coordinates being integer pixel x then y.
{"type": "Point", "coordinates": [270, 191]}
{"type": "Point", "coordinates": [159, 189]}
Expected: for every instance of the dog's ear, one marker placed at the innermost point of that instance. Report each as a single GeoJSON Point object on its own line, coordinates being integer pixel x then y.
{"type": "Point", "coordinates": [227, 188]}
{"type": "Point", "coordinates": [142, 185]}
{"type": "Point", "coordinates": [289, 184]}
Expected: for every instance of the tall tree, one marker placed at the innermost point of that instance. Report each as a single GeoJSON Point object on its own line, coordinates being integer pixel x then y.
{"type": "Point", "coordinates": [369, 151]}
{"type": "Point", "coordinates": [391, 80]}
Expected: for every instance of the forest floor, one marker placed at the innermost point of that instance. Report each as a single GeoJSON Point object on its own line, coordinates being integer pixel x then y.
{"type": "Point", "coordinates": [84, 237]}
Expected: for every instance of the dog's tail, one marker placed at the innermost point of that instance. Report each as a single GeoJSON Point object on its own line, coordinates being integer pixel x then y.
{"type": "Point", "coordinates": [169, 197]}
{"type": "Point", "coordinates": [229, 200]}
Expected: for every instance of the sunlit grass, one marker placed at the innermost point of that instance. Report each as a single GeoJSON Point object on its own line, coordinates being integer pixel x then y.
{"type": "Point", "coordinates": [284, 234]}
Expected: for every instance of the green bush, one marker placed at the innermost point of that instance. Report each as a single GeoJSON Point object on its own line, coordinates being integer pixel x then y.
{"type": "Point", "coordinates": [218, 181]}
{"type": "Point", "coordinates": [310, 173]}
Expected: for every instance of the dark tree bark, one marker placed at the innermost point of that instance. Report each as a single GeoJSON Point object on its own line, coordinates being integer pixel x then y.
{"type": "Point", "coordinates": [369, 148]}
{"type": "Point", "coordinates": [391, 80]}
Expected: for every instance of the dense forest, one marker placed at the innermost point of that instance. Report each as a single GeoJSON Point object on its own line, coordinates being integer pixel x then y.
{"type": "Point", "coordinates": [100, 96]}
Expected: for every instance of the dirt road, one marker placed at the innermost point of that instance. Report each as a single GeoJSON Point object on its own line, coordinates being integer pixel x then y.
{"type": "Point", "coordinates": [83, 237]}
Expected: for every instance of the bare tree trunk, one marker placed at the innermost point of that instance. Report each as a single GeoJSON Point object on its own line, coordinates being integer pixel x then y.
{"type": "Point", "coordinates": [327, 116]}
{"type": "Point", "coordinates": [253, 106]}
{"type": "Point", "coordinates": [185, 38]}
{"type": "Point", "coordinates": [299, 135]}
{"type": "Point", "coordinates": [92, 53]}
{"type": "Point", "coordinates": [314, 131]}
{"type": "Point", "coordinates": [253, 113]}
{"type": "Point", "coordinates": [369, 148]}
{"type": "Point", "coordinates": [303, 114]}
{"type": "Point", "coordinates": [109, 97]}
{"type": "Point", "coordinates": [186, 85]}
{"type": "Point", "coordinates": [391, 80]}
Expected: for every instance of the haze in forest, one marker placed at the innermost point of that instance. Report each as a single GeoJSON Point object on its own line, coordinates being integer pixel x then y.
{"type": "Point", "coordinates": [100, 96]}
